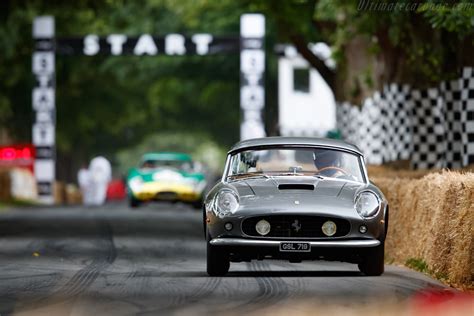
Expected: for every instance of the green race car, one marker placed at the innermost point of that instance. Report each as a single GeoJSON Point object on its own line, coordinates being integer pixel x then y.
{"type": "Point", "coordinates": [166, 176]}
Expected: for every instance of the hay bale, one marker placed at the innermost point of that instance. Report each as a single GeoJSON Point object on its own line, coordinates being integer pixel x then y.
{"type": "Point", "coordinates": [397, 171]}
{"type": "Point", "coordinates": [17, 184]}
{"type": "Point", "coordinates": [73, 195]}
{"type": "Point", "coordinates": [59, 193]}
{"type": "Point", "coordinates": [23, 185]}
{"type": "Point", "coordinates": [432, 219]}
{"type": "Point", "coordinates": [379, 171]}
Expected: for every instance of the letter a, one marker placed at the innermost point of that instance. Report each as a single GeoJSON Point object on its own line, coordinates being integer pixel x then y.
{"type": "Point", "coordinates": [145, 45]}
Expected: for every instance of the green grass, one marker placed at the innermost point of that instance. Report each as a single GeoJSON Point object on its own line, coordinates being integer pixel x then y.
{"type": "Point", "coordinates": [417, 264]}
{"type": "Point", "coordinates": [4, 205]}
{"type": "Point", "coordinates": [420, 265]}
{"type": "Point", "coordinates": [441, 276]}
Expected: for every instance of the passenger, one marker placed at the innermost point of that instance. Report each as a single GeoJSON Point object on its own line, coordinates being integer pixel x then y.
{"type": "Point", "coordinates": [147, 164]}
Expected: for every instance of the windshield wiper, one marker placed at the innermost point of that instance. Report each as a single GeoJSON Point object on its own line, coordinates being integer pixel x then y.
{"type": "Point", "coordinates": [248, 175]}
{"type": "Point", "coordinates": [301, 174]}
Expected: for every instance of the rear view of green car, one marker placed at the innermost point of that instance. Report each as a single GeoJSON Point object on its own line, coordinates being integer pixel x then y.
{"type": "Point", "coordinates": [167, 176]}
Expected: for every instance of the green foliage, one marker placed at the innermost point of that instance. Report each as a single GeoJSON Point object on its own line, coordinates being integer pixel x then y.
{"type": "Point", "coordinates": [105, 104]}
{"type": "Point", "coordinates": [457, 17]}
{"type": "Point", "coordinates": [421, 42]}
{"type": "Point", "coordinates": [368, 80]}
{"type": "Point", "coordinates": [417, 264]}
{"type": "Point", "coordinates": [110, 103]}
{"type": "Point", "coordinates": [421, 266]}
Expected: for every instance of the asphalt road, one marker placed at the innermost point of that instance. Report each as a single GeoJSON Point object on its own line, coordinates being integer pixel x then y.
{"type": "Point", "coordinates": [114, 260]}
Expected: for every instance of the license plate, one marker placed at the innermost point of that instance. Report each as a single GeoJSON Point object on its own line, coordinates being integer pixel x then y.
{"type": "Point", "coordinates": [168, 196]}
{"type": "Point", "coordinates": [295, 247]}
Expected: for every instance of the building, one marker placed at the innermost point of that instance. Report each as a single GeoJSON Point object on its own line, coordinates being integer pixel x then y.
{"type": "Point", "coordinates": [306, 103]}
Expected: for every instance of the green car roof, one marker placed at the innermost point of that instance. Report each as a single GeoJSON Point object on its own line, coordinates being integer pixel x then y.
{"type": "Point", "coordinates": [167, 156]}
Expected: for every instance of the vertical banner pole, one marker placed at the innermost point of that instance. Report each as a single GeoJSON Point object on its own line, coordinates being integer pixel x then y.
{"type": "Point", "coordinates": [43, 99]}
{"type": "Point", "coordinates": [252, 74]}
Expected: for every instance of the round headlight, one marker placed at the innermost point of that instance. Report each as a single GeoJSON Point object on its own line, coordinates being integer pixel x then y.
{"type": "Point", "coordinates": [329, 228]}
{"type": "Point", "coordinates": [226, 203]}
{"type": "Point", "coordinates": [367, 204]}
{"type": "Point", "coordinates": [135, 183]}
{"type": "Point", "coordinates": [262, 227]}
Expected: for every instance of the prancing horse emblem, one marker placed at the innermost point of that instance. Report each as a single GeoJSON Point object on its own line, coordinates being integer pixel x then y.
{"type": "Point", "coordinates": [296, 225]}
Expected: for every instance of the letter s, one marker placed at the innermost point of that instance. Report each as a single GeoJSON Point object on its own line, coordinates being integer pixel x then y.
{"type": "Point", "coordinates": [91, 45]}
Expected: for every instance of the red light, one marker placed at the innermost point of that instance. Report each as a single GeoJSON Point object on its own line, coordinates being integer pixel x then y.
{"type": "Point", "coordinates": [25, 153]}
{"type": "Point", "coordinates": [17, 156]}
{"type": "Point", "coordinates": [12, 153]}
{"type": "Point", "coordinates": [8, 153]}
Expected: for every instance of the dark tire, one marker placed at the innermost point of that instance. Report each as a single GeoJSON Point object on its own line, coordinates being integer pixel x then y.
{"type": "Point", "coordinates": [197, 205]}
{"type": "Point", "coordinates": [134, 203]}
{"type": "Point", "coordinates": [218, 263]}
{"type": "Point", "coordinates": [373, 261]}
{"type": "Point", "coordinates": [204, 223]}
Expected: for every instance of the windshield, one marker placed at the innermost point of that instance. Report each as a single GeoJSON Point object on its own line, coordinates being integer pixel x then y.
{"type": "Point", "coordinates": [296, 161]}
{"type": "Point", "coordinates": [176, 164]}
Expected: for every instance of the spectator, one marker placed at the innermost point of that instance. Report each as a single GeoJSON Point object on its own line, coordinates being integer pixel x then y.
{"type": "Point", "coordinates": [84, 179]}
{"type": "Point", "coordinates": [100, 174]}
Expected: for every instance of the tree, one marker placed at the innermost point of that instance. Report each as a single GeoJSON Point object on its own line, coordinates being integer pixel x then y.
{"type": "Point", "coordinates": [419, 43]}
{"type": "Point", "coordinates": [105, 104]}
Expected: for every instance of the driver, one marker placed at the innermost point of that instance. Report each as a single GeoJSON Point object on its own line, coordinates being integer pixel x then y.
{"type": "Point", "coordinates": [326, 161]}
{"type": "Point", "coordinates": [147, 164]}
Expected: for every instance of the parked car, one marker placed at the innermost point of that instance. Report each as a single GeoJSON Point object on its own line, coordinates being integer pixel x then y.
{"type": "Point", "coordinates": [295, 199]}
{"type": "Point", "coordinates": [166, 176]}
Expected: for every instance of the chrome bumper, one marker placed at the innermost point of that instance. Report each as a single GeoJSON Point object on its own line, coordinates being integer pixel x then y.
{"type": "Point", "coordinates": [276, 243]}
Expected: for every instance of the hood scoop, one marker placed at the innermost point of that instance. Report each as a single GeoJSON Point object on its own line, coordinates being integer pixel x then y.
{"type": "Point", "coordinates": [296, 186]}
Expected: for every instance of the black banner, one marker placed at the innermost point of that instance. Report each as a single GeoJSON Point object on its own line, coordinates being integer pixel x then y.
{"type": "Point", "coordinates": [171, 44]}
{"type": "Point", "coordinates": [45, 152]}
{"type": "Point", "coordinates": [45, 188]}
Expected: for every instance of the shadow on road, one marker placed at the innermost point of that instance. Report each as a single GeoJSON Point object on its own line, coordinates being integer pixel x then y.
{"type": "Point", "coordinates": [268, 274]}
{"type": "Point", "coordinates": [83, 222]}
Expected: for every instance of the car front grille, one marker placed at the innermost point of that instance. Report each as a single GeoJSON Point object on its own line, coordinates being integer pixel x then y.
{"type": "Point", "coordinates": [166, 196]}
{"type": "Point", "coordinates": [294, 226]}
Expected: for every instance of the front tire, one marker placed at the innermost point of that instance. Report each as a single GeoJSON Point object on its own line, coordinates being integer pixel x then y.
{"type": "Point", "coordinates": [133, 202]}
{"type": "Point", "coordinates": [197, 205]}
{"type": "Point", "coordinates": [218, 263]}
{"type": "Point", "coordinates": [373, 262]}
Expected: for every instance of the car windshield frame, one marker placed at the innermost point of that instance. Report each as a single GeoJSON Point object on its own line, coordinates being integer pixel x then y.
{"type": "Point", "coordinates": [227, 177]}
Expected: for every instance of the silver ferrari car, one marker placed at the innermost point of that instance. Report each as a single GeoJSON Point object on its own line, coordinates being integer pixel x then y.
{"type": "Point", "coordinates": [295, 198]}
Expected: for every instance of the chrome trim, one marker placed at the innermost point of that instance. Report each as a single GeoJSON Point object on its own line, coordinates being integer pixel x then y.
{"type": "Point", "coordinates": [274, 243]}
{"type": "Point", "coordinates": [378, 200]}
{"type": "Point", "coordinates": [226, 169]}
{"type": "Point", "coordinates": [327, 146]}
{"type": "Point", "coordinates": [364, 168]}
{"type": "Point", "coordinates": [298, 214]}
{"type": "Point", "coordinates": [231, 153]}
